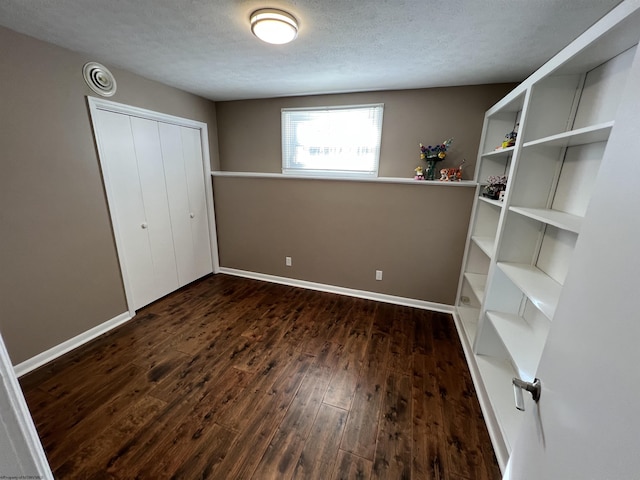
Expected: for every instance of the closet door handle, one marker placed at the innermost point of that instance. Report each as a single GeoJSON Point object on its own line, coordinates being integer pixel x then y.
{"type": "Point", "coordinates": [192, 215]}
{"type": "Point", "coordinates": [143, 225]}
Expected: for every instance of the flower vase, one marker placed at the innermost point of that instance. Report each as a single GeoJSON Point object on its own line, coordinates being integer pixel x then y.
{"type": "Point", "coordinates": [430, 174]}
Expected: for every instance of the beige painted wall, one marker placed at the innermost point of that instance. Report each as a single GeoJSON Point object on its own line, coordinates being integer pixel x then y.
{"type": "Point", "coordinates": [60, 275]}
{"type": "Point", "coordinates": [249, 130]}
{"type": "Point", "coordinates": [340, 232]}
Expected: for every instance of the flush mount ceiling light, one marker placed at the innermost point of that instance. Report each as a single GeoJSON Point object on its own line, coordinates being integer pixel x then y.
{"type": "Point", "coordinates": [274, 26]}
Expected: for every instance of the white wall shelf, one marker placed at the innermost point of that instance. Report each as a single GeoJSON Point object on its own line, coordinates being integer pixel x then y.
{"type": "Point", "coordinates": [485, 244]}
{"type": "Point", "coordinates": [573, 138]}
{"type": "Point", "coordinates": [477, 282]}
{"type": "Point", "coordinates": [469, 318]}
{"type": "Point", "coordinates": [523, 342]}
{"type": "Point", "coordinates": [491, 201]}
{"type": "Point", "coordinates": [401, 180]}
{"type": "Point", "coordinates": [497, 375]}
{"type": "Point", "coordinates": [562, 220]}
{"type": "Point", "coordinates": [500, 152]}
{"type": "Point", "coordinates": [542, 290]}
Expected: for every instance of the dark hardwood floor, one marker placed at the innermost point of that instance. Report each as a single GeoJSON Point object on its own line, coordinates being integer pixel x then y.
{"type": "Point", "coordinates": [232, 378]}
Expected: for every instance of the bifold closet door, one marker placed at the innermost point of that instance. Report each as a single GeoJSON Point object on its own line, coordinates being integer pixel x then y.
{"type": "Point", "coordinates": [133, 161]}
{"type": "Point", "coordinates": [184, 176]}
{"type": "Point", "coordinates": [155, 174]}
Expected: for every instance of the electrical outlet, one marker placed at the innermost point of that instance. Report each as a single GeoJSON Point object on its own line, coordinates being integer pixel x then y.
{"type": "Point", "coordinates": [464, 300]}
{"type": "Point", "coordinates": [378, 274]}
{"type": "Point", "coordinates": [287, 261]}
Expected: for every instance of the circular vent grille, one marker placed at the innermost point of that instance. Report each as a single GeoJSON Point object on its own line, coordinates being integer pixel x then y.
{"type": "Point", "coordinates": [99, 79]}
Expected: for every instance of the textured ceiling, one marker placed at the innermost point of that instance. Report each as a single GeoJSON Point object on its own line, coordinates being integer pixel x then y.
{"type": "Point", "coordinates": [205, 46]}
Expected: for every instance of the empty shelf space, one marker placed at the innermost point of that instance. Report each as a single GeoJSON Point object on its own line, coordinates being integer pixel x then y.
{"type": "Point", "coordinates": [541, 289]}
{"type": "Point", "coordinates": [558, 219]}
{"type": "Point", "coordinates": [580, 136]}
{"type": "Point", "coordinates": [501, 152]}
{"type": "Point", "coordinates": [469, 318]}
{"type": "Point", "coordinates": [485, 244]}
{"type": "Point", "coordinates": [491, 201]}
{"type": "Point", "coordinates": [523, 342]}
{"type": "Point", "coordinates": [477, 282]}
{"type": "Point", "coordinates": [497, 375]}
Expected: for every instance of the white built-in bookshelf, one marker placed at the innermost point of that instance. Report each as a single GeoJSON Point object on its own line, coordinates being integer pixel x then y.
{"type": "Point", "coordinates": [519, 250]}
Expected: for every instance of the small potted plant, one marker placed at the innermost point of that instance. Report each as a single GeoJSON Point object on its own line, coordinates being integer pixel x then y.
{"type": "Point", "coordinates": [495, 185]}
{"type": "Point", "coordinates": [433, 154]}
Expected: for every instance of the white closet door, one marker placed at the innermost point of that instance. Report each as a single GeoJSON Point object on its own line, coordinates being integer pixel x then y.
{"type": "Point", "coordinates": [192, 148]}
{"type": "Point", "coordinates": [146, 139]}
{"type": "Point", "coordinates": [176, 182]}
{"type": "Point", "coordinates": [121, 170]}
{"type": "Point", "coordinates": [178, 193]}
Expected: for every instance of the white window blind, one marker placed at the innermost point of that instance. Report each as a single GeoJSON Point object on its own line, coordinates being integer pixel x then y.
{"type": "Point", "coordinates": [340, 141]}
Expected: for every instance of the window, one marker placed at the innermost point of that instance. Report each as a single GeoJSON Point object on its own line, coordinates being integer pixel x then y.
{"type": "Point", "coordinates": [339, 141]}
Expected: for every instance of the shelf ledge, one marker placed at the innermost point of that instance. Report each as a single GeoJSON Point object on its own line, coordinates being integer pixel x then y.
{"type": "Point", "coordinates": [500, 152]}
{"type": "Point", "coordinates": [398, 180]}
{"type": "Point", "coordinates": [523, 342]}
{"type": "Point", "coordinates": [496, 378]}
{"type": "Point", "coordinates": [580, 136]}
{"type": "Point", "coordinates": [565, 221]}
{"type": "Point", "coordinates": [542, 290]}
{"type": "Point", "coordinates": [486, 244]}
{"type": "Point", "coordinates": [477, 282]}
{"type": "Point", "coordinates": [490, 201]}
{"type": "Point", "coordinates": [469, 318]}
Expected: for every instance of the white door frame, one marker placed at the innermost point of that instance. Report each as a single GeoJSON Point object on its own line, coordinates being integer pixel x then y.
{"type": "Point", "coordinates": [97, 104]}
{"type": "Point", "coordinates": [19, 441]}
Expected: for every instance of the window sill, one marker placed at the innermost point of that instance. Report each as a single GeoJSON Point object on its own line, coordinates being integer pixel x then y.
{"type": "Point", "coordinates": [464, 183]}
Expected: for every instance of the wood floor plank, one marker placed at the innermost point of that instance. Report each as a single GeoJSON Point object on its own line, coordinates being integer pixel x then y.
{"type": "Point", "coordinates": [362, 425]}
{"type": "Point", "coordinates": [205, 459]}
{"type": "Point", "coordinates": [320, 452]}
{"type": "Point", "coordinates": [230, 378]}
{"type": "Point", "coordinates": [92, 455]}
{"type": "Point", "coordinates": [401, 340]}
{"type": "Point", "coordinates": [261, 424]}
{"type": "Point", "coordinates": [393, 448]}
{"type": "Point", "coordinates": [429, 455]}
{"type": "Point", "coordinates": [279, 460]}
{"type": "Point", "coordinates": [351, 467]}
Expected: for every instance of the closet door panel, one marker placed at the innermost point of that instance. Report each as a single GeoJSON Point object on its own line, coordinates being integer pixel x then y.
{"type": "Point", "coordinates": [176, 181]}
{"type": "Point", "coordinates": [192, 150]}
{"type": "Point", "coordinates": [156, 205]}
{"type": "Point", "coordinates": [121, 169]}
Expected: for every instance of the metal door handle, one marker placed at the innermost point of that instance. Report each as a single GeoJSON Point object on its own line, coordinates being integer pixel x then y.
{"type": "Point", "coordinates": [532, 387]}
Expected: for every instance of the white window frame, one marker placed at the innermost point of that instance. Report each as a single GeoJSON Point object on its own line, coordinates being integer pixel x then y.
{"type": "Point", "coordinates": [288, 153]}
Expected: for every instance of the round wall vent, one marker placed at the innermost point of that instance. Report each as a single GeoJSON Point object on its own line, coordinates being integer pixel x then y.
{"type": "Point", "coordinates": [99, 79]}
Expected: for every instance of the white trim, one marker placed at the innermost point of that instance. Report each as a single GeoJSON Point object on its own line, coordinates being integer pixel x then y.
{"type": "Point", "coordinates": [322, 287]}
{"type": "Point", "coordinates": [20, 411]}
{"type": "Point", "coordinates": [71, 344]}
{"type": "Point", "coordinates": [96, 104]}
{"type": "Point", "coordinates": [400, 180]}
{"type": "Point", "coordinates": [115, 107]}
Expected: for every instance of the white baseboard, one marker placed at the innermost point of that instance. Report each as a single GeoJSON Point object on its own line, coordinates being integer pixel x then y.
{"type": "Point", "coordinates": [68, 345]}
{"type": "Point", "coordinates": [380, 297]}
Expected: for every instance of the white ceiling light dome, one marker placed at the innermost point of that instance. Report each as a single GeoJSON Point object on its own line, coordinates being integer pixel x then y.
{"type": "Point", "coordinates": [274, 26]}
